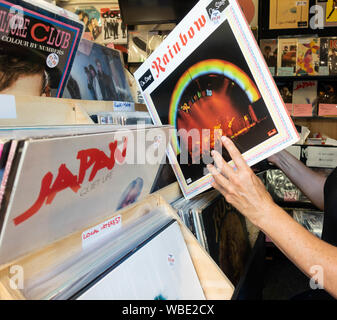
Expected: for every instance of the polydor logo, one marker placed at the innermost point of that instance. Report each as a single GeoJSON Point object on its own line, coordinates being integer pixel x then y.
{"type": "Point", "coordinates": [215, 8]}
{"type": "Point", "coordinates": [146, 80]}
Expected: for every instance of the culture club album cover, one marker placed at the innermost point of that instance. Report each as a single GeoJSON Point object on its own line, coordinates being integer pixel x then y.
{"type": "Point", "coordinates": [97, 74]}
{"type": "Point", "coordinates": [199, 79]}
{"type": "Point", "coordinates": [37, 48]}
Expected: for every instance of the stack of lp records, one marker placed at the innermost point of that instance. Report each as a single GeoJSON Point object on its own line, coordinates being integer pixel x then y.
{"type": "Point", "coordinates": [215, 224]}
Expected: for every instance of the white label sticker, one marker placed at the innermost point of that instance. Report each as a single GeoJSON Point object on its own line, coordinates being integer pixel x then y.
{"type": "Point", "coordinates": [8, 107]}
{"type": "Point", "coordinates": [322, 157]}
{"type": "Point", "coordinates": [171, 260]}
{"type": "Point", "coordinates": [53, 60]}
{"type": "Point", "coordinates": [301, 3]}
{"type": "Point", "coordinates": [123, 106]}
{"type": "Point", "coordinates": [91, 236]}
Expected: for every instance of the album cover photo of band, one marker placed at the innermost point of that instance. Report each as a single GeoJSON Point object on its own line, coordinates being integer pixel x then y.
{"type": "Point", "coordinates": [97, 74]}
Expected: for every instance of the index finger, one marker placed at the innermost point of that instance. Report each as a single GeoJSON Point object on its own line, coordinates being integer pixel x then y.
{"type": "Point", "coordinates": [234, 153]}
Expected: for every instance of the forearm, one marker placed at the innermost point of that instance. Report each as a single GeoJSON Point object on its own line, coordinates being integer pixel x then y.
{"type": "Point", "coordinates": [309, 182]}
{"type": "Point", "coordinates": [242, 189]}
{"type": "Point", "coordinates": [300, 246]}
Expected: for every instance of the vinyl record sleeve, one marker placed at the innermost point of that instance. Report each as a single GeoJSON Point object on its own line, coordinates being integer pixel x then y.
{"type": "Point", "coordinates": [269, 50]}
{"type": "Point", "coordinates": [98, 74]}
{"type": "Point", "coordinates": [38, 43]}
{"type": "Point", "coordinates": [209, 73]}
{"type": "Point", "coordinates": [312, 220]}
{"type": "Point", "coordinates": [286, 91]}
{"type": "Point", "coordinates": [91, 18]}
{"type": "Point", "coordinates": [222, 226]}
{"type": "Point", "coordinates": [308, 57]}
{"type": "Point", "coordinates": [137, 46]}
{"type": "Point", "coordinates": [85, 177]}
{"type": "Point", "coordinates": [305, 98]}
{"type": "Point", "coordinates": [166, 268]}
{"type": "Point", "coordinates": [305, 92]}
{"type": "Point", "coordinates": [287, 57]}
{"type": "Point", "coordinates": [330, 12]}
{"type": "Point", "coordinates": [288, 14]}
{"type": "Point", "coordinates": [332, 56]}
{"type": "Point", "coordinates": [282, 189]}
{"type": "Point", "coordinates": [114, 29]}
{"type": "Point", "coordinates": [324, 57]}
{"type": "Point", "coordinates": [86, 267]}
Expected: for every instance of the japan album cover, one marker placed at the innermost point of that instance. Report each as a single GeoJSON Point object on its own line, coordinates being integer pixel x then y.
{"type": "Point", "coordinates": [208, 79]}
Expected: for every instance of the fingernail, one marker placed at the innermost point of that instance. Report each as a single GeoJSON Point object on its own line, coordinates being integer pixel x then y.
{"type": "Point", "coordinates": [224, 139]}
{"type": "Point", "coordinates": [212, 153]}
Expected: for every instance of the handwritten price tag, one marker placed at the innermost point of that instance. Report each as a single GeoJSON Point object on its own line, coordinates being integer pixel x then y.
{"type": "Point", "coordinates": [97, 233]}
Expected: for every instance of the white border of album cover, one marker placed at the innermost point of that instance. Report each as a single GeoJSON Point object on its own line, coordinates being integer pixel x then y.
{"type": "Point", "coordinates": [206, 21]}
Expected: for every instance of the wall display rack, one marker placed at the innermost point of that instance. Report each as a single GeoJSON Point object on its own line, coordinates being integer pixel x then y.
{"type": "Point", "coordinates": [316, 122]}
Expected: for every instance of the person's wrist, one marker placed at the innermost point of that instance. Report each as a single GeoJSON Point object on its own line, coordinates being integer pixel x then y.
{"type": "Point", "coordinates": [276, 159]}
{"type": "Point", "coordinates": [268, 211]}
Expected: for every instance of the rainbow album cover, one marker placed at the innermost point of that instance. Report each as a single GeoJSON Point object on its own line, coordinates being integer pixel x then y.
{"type": "Point", "coordinates": [208, 79]}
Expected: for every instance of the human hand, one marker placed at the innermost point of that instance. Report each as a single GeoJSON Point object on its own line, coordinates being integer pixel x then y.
{"type": "Point", "coordinates": [241, 187]}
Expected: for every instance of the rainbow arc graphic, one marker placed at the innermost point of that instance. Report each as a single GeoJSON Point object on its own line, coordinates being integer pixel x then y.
{"type": "Point", "coordinates": [210, 66]}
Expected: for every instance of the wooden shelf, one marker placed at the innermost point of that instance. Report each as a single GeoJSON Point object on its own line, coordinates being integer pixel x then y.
{"type": "Point", "coordinates": [314, 118]}
{"type": "Point", "coordinates": [327, 126]}
{"type": "Point", "coordinates": [299, 78]}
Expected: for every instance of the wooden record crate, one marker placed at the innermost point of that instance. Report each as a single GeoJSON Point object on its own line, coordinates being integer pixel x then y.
{"type": "Point", "coordinates": [215, 284]}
